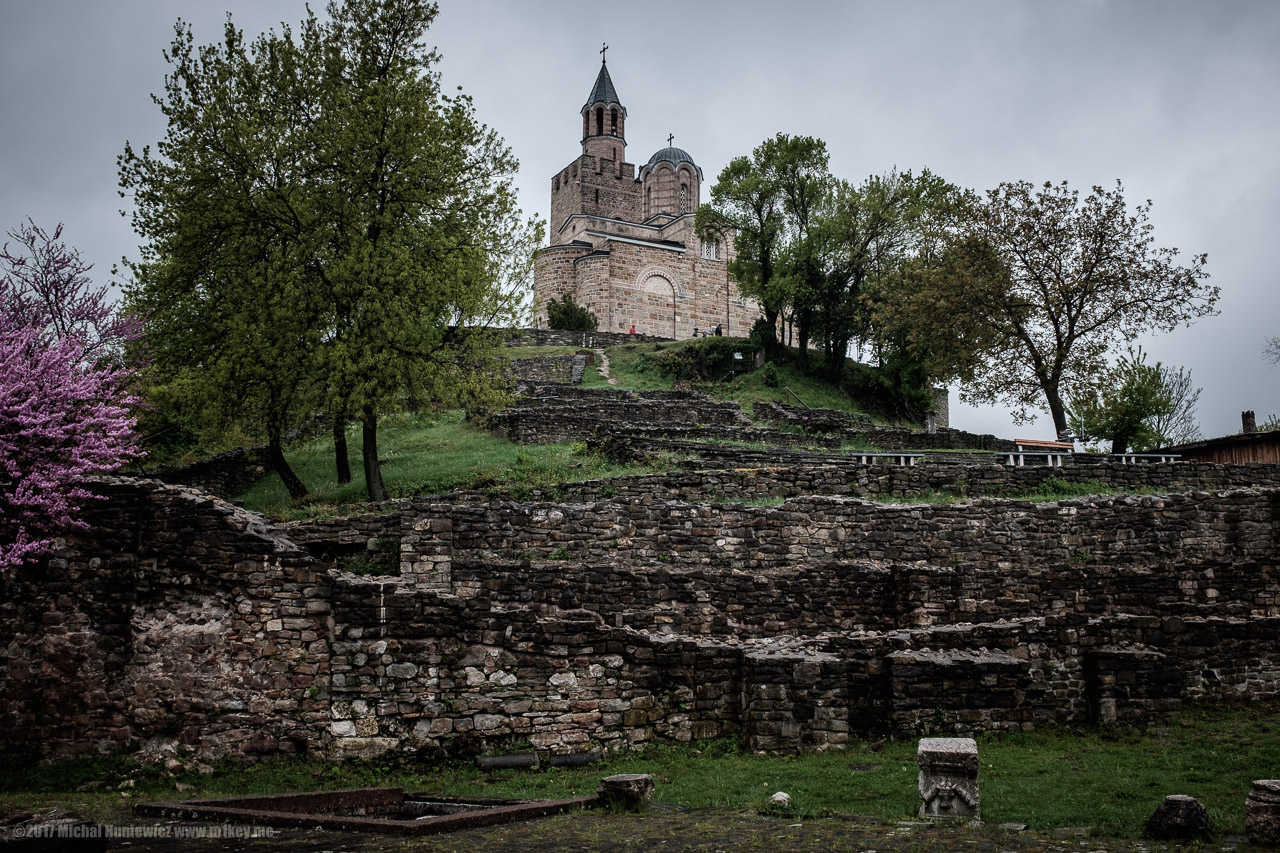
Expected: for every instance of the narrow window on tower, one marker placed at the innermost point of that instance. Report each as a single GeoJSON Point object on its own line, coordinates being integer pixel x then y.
{"type": "Point", "coordinates": [599, 121]}
{"type": "Point", "coordinates": [597, 196]}
{"type": "Point", "coordinates": [684, 198]}
{"type": "Point", "coordinates": [613, 122]}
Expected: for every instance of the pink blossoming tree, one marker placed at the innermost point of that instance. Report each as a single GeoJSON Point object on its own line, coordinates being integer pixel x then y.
{"type": "Point", "coordinates": [64, 397]}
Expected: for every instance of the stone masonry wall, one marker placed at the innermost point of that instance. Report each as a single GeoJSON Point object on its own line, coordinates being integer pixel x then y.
{"type": "Point", "coordinates": [561, 369]}
{"type": "Point", "coordinates": [561, 417]}
{"type": "Point", "coordinates": [1096, 534]}
{"type": "Point", "coordinates": [179, 618]}
{"type": "Point", "coordinates": [586, 340]}
{"type": "Point", "coordinates": [226, 474]}
{"type": "Point", "coordinates": [727, 474]}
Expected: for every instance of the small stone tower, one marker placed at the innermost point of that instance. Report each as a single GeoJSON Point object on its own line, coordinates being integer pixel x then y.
{"type": "Point", "coordinates": [600, 182]}
{"type": "Point", "coordinates": [604, 120]}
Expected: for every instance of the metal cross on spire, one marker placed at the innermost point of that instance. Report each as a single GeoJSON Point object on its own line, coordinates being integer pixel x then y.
{"type": "Point", "coordinates": [671, 137]}
{"type": "Point", "coordinates": [603, 58]}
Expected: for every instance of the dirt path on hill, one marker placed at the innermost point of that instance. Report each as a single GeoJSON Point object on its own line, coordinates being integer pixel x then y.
{"type": "Point", "coordinates": [603, 366]}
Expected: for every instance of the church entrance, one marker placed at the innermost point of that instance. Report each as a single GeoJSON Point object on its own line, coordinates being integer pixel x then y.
{"type": "Point", "coordinates": [659, 305]}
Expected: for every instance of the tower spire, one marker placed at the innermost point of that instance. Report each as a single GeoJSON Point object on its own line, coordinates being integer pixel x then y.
{"type": "Point", "coordinates": [604, 118]}
{"type": "Point", "coordinates": [602, 92]}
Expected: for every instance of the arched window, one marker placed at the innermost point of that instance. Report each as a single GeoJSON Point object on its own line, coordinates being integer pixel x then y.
{"type": "Point", "coordinates": [648, 201]}
{"type": "Point", "coordinates": [613, 121]}
{"type": "Point", "coordinates": [599, 121]}
{"type": "Point", "coordinates": [684, 198]}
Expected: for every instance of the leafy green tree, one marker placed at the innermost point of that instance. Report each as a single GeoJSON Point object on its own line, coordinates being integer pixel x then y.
{"type": "Point", "coordinates": [1125, 410]}
{"type": "Point", "coordinates": [567, 314]}
{"type": "Point", "coordinates": [1039, 285]}
{"type": "Point", "coordinates": [870, 231]}
{"type": "Point", "coordinates": [808, 244]}
{"type": "Point", "coordinates": [1177, 425]}
{"type": "Point", "coordinates": [326, 230]}
{"type": "Point", "coordinates": [766, 204]}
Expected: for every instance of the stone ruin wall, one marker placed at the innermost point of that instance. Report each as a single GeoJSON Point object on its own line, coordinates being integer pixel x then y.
{"type": "Point", "coordinates": [224, 474]}
{"type": "Point", "coordinates": [587, 340]}
{"type": "Point", "coordinates": [177, 616]}
{"type": "Point", "coordinates": [556, 369]}
{"type": "Point", "coordinates": [745, 474]}
{"type": "Point", "coordinates": [539, 424]}
{"type": "Point", "coordinates": [549, 415]}
{"type": "Point", "coordinates": [799, 626]}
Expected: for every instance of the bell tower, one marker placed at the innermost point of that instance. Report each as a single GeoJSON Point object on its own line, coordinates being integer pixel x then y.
{"type": "Point", "coordinates": [600, 182]}
{"type": "Point", "coordinates": [604, 119]}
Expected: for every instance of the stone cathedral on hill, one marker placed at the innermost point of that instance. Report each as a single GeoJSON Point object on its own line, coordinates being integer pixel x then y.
{"type": "Point", "coordinates": [623, 243]}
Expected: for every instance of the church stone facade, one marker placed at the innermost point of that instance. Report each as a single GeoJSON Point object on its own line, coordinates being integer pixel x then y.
{"type": "Point", "coordinates": [623, 243]}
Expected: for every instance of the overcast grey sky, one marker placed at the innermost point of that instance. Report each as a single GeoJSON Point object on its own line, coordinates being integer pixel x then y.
{"type": "Point", "coordinates": [1179, 100]}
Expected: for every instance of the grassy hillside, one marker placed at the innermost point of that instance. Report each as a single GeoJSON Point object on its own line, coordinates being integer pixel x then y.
{"type": "Point", "coordinates": [632, 366]}
{"type": "Point", "coordinates": [425, 455]}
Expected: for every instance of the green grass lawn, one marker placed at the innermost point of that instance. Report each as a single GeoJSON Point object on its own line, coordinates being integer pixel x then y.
{"type": "Point", "coordinates": [1107, 780]}
{"type": "Point", "coordinates": [424, 455]}
{"type": "Point", "coordinates": [626, 365]}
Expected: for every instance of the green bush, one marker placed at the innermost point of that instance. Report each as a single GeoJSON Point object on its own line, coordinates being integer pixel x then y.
{"type": "Point", "coordinates": [762, 334]}
{"type": "Point", "coordinates": [703, 360]}
{"type": "Point", "coordinates": [569, 316]}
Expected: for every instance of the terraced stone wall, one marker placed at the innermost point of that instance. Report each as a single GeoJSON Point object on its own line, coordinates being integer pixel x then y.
{"type": "Point", "coordinates": [985, 533]}
{"type": "Point", "coordinates": [181, 619]}
{"type": "Point", "coordinates": [225, 474]}
{"type": "Point", "coordinates": [589, 340]}
{"type": "Point", "coordinates": [543, 424]}
{"type": "Point", "coordinates": [559, 369]}
{"type": "Point", "coordinates": [944, 438]}
{"type": "Point", "coordinates": [178, 616]}
{"type": "Point", "coordinates": [726, 473]}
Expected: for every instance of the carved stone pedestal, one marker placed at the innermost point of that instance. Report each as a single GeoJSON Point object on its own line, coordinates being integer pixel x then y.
{"type": "Point", "coordinates": [949, 777]}
{"type": "Point", "coordinates": [630, 791]}
{"type": "Point", "coordinates": [1262, 812]}
{"type": "Point", "coordinates": [1178, 818]}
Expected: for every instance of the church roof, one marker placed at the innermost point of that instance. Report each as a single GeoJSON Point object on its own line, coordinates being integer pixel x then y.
{"type": "Point", "coordinates": [674, 156]}
{"type": "Point", "coordinates": [603, 91]}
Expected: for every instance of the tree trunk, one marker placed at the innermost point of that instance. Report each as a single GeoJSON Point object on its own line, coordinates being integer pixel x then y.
{"type": "Point", "coordinates": [369, 445]}
{"type": "Point", "coordinates": [835, 359]}
{"type": "Point", "coordinates": [1057, 410]}
{"type": "Point", "coordinates": [805, 322]}
{"type": "Point", "coordinates": [292, 484]}
{"type": "Point", "coordinates": [341, 456]}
